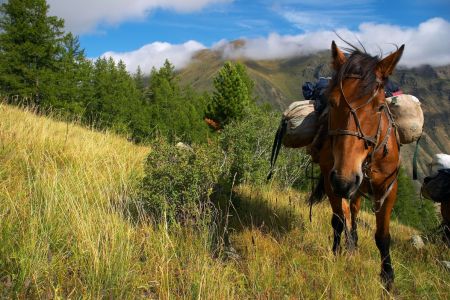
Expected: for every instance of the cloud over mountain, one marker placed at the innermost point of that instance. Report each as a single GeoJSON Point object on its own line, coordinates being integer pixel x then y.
{"type": "Point", "coordinates": [426, 44]}
{"type": "Point", "coordinates": [84, 16]}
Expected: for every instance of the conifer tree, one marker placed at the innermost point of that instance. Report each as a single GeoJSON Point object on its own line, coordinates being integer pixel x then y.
{"type": "Point", "coordinates": [175, 112]}
{"type": "Point", "coordinates": [232, 96]}
{"type": "Point", "coordinates": [30, 42]}
{"type": "Point", "coordinates": [73, 77]}
{"type": "Point", "coordinates": [249, 83]}
{"type": "Point", "coordinates": [139, 80]}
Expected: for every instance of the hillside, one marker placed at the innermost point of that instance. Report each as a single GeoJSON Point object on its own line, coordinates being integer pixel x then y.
{"type": "Point", "coordinates": [68, 230]}
{"type": "Point", "coordinates": [278, 82]}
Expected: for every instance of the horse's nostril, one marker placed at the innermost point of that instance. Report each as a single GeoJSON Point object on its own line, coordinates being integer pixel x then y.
{"type": "Point", "coordinates": [342, 186]}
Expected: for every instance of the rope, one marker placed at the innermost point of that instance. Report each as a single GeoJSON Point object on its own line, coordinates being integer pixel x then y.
{"type": "Point", "coordinates": [416, 153]}
{"type": "Point", "coordinates": [312, 191]}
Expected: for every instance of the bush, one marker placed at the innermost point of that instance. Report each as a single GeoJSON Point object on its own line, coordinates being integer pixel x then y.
{"type": "Point", "coordinates": [248, 144]}
{"type": "Point", "coordinates": [180, 180]}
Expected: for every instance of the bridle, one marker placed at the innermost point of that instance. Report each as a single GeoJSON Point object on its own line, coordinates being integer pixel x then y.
{"type": "Point", "coordinates": [368, 140]}
{"type": "Point", "coordinates": [359, 133]}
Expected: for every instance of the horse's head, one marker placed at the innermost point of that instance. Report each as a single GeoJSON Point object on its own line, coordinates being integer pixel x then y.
{"type": "Point", "coordinates": [355, 96]}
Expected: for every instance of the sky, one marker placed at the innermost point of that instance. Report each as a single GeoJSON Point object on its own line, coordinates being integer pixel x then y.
{"type": "Point", "coordinates": [146, 32]}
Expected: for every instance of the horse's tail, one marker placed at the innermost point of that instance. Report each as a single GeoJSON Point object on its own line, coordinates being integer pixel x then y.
{"type": "Point", "coordinates": [281, 131]}
{"type": "Point", "coordinates": [318, 192]}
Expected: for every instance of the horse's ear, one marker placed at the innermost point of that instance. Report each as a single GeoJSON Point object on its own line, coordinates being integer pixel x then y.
{"type": "Point", "coordinates": [387, 65]}
{"type": "Point", "coordinates": [338, 56]}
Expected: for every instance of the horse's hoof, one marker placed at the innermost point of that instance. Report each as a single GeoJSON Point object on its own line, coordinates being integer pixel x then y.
{"type": "Point", "coordinates": [351, 245]}
{"type": "Point", "coordinates": [446, 240]}
{"type": "Point", "coordinates": [387, 278]}
{"type": "Point", "coordinates": [352, 249]}
{"type": "Point", "coordinates": [336, 250]}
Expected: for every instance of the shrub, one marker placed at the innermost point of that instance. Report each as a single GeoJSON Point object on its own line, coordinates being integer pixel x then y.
{"type": "Point", "coordinates": [248, 144]}
{"type": "Point", "coordinates": [180, 180]}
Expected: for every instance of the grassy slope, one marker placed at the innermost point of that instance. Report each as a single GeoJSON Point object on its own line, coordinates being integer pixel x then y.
{"type": "Point", "coordinates": [64, 191]}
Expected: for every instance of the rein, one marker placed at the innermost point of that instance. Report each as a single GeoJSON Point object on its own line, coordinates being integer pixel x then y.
{"type": "Point", "coordinates": [368, 140]}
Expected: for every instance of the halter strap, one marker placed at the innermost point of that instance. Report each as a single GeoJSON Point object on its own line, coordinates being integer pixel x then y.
{"type": "Point", "coordinates": [359, 133]}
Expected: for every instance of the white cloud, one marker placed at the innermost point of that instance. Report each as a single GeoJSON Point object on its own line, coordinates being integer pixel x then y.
{"type": "Point", "coordinates": [84, 16]}
{"type": "Point", "coordinates": [276, 46]}
{"type": "Point", "coordinates": [428, 43]}
{"type": "Point", "coordinates": [154, 55]}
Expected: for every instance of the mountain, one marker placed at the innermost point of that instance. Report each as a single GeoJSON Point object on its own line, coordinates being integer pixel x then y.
{"type": "Point", "coordinates": [279, 82]}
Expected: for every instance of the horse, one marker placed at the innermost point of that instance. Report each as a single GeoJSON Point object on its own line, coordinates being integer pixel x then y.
{"type": "Point", "coordinates": [360, 154]}
{"type": "Point", "coordinates": [436, 187]}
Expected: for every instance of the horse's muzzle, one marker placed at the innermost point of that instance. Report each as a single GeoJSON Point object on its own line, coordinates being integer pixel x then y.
{"type": "Point", "coordinates": [342, 186]}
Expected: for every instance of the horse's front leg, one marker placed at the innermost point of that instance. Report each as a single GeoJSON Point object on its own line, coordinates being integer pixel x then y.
{"type": "Point", "coordinates": [339, 220]}
{"type": "Point", "coordinates": [383, 238]}
{"type": "Point", "coordinates": [352, 239]}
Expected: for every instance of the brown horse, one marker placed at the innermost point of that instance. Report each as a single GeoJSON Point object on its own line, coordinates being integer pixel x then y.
{"type": "Point", "coordinates": [361, 153]}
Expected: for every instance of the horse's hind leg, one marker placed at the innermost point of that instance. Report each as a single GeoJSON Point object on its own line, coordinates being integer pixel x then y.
{"type": "Point", "coordinates": [383, 238]}
{"type": "Point", "coordinates": [445, 212]}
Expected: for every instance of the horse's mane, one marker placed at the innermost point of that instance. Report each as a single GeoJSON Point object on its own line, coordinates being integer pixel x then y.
{"type": "Point", "coordinates": [359, 62]}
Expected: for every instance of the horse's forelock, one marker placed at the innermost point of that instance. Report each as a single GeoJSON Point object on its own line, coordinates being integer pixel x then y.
{"type": "Point", "coordinates": [362, 64]}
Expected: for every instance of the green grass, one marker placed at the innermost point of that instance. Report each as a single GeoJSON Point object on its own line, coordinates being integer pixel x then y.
{"type": "Point", "coordinates": [66, 232]}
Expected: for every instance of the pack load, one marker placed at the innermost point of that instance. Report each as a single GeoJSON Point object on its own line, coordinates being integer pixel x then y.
{"type": "Point", "coordinates": [408, 116]}
{"type": "Point", "coordinates": [391, 89]}
{"type": "Point", "coordinates": [440, 162]}
{"type": "Point", "coordinates": [300, 121]}
{"type": "Point", "coordinates": [299, 124]}
{"type": "Point", "coordinates": [298, 128]}
{"type": "Point", "coordinates": [437, 186]}
{"type": "Point", "coordinates": [316, 91]}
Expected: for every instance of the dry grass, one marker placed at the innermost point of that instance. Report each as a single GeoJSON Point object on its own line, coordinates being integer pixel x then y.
{"type": "Point", "coordinates": [65, 232]}
{"type": "Point", "coordinates": [292, 256]}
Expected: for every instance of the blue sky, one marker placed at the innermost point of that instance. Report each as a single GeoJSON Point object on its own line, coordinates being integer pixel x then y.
{"type": "Point", "coordinates": [119, 27]}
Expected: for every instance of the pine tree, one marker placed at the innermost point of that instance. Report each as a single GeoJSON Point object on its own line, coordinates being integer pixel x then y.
{"type": "Point", "coordinates": [175, 113]}
{"type": "Point", "coordinates": [30, 43]}
{"type": "Point", "coordinates": [116, 102]}
{"type": "Point", "coordinates": [73, 77]}
{"type": "Point", "coordinates": [249, 83]}
{"type": "Point", "coordinates": [232, 96]}
{"type": "Point", "coordinates": [139, 80]}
